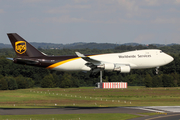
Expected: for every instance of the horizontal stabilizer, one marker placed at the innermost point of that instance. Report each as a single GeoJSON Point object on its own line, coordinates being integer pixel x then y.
{"type": "Point", "coordinates": [26, 61]}
{"type": "Point", "coordinates": [9, 58]}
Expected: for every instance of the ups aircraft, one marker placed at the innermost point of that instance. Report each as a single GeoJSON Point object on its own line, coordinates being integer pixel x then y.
{"type": "Point", "coordinates": [120, 62]}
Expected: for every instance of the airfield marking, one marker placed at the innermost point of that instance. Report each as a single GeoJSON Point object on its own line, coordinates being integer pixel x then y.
{"type": "Point", "coordinates": [125, 102]}
{"type": "Point", "coordinates": [162, 117]}
{"type": "Point", "coordinates": [151, 110]}
{"type": "Point", "coordinates": [166, 108]}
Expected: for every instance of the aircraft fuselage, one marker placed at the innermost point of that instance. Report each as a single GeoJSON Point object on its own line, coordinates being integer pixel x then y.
{"type": "Point", "coordinates": [138, 59]}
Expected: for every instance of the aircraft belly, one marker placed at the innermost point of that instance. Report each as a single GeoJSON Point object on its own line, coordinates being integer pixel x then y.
{"type": "Point", "coordinates": [148, 63]}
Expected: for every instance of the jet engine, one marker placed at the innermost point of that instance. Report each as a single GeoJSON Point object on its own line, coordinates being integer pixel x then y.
{"type": "Point", "coordinates": [115, 67]}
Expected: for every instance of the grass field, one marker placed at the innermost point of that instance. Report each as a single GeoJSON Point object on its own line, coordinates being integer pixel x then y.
{"type": "Point", "coordinates": [86, 97]}
{"type": "Point", "coordinates": [89, 97]}
{"type": "Point", "coordinates": [106, 116]}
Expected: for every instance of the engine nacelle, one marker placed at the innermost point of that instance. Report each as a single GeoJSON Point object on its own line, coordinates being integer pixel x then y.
{"type": "Point", "coordinates": [125, 69]}
{"type": "Point", "coordinates": [115, 67]}
{"type": "Point", "coordinates": [109, 67]}
{"type": "Point", "coordinates": [106, 66]}
{"type": "Point", "coordinates": [122, 68]}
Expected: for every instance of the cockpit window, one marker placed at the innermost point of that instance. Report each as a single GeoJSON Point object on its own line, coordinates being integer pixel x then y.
{"type": "Point", "coordinates": [161, 51]}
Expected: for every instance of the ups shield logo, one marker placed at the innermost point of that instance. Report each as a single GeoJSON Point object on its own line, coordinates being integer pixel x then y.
{"type": "Point", "coordinates": [20, 47]}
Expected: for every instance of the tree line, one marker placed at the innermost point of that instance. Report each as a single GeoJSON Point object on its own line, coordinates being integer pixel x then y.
{"type": "Point", "coordinates": [14, 76]}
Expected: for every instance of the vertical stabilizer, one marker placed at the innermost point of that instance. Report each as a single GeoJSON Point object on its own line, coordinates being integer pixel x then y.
{"type": "Point", "coordinates": [22, 47]}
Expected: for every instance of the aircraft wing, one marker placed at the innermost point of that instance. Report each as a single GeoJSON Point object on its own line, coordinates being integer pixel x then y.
{"type": "Point", "coordinates": [88, 59]}
{"type": "Point", "coordinates": [92, 63]}
{"type": "Point", "coordinates": [97, 65]}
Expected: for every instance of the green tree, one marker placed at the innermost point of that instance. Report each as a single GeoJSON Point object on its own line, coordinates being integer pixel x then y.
{"type": "Point", "coordinates": [1, 76]}
{"type": "Point", "coordinates": [157, 81]}
{"type": "Point", "coordinates": [134, 79]}
{"type": "Point", "coordinates": [176, 78]}
{"type": "Point", "coordinates": [168, 81]}
{"type": "Point", "coordinates": [3, 84]}
{"type": "Point", "coordinates": [24, 82]}
{"type": "Point", "coordinates": [148, 80]}
{"type": "Point", "coordinates": [30, 83]}
{"type": "Point", "coordinates": [66, 81]}
{"type": "Point", "coordinates": [75, 82]}
{"type": "Point", "coordinates": [21, 82]}
{"type": "Point", "coordinates": [56, 79]}
{"type": "Point", "coordinates": [12, 85]}
{"type": "Point", "coordinates": [47, 81]}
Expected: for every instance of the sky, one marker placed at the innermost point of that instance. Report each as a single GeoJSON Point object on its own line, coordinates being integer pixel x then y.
{"type": "Point", "coordinates": [101, 21]}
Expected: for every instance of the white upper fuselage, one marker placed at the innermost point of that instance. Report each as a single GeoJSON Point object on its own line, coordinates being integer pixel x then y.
{"type": "Point", "coordinates": [138, 59]}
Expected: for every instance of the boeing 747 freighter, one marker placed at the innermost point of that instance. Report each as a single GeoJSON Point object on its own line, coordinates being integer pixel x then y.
{"type": "Point", "coordinates": [120, 62]}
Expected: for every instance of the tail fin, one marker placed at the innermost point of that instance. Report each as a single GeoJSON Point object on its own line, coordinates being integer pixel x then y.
{"type": "Point", "coordinates": [22, 47]}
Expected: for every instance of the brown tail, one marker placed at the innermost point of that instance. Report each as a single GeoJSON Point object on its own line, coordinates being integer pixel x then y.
{"type": "Point", "coordinates": [22, 47]}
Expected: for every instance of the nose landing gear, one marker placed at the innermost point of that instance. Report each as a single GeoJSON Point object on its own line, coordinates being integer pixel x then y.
{"type": "Point", "coordinates": [157, 70]}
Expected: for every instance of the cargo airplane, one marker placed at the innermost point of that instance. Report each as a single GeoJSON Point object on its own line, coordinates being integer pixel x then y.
{"type": "Point", "coordinates": [120, 62]}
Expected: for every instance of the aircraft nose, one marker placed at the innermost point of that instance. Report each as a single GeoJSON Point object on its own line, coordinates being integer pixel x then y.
{"type": "Point", "coordinates": [169, 59]}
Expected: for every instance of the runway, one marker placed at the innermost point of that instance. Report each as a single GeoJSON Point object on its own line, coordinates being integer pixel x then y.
{"type": "Point", "coordinates": [165, 112]}
{"type": "Point", "coordinates": [70, 110]}
{"type": "Point", "coordinates": [162, 109]}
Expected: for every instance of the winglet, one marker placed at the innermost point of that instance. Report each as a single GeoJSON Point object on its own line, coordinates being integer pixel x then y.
{"type": "Point", "coordinates": [79, 54]}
